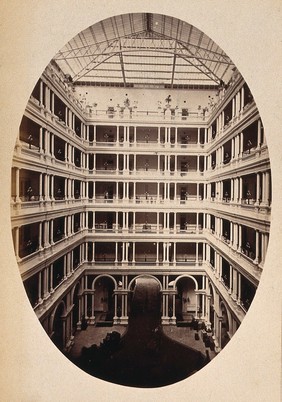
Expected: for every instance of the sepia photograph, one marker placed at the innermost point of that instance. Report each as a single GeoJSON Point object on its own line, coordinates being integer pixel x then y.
{"type": "Point", "coordinates": [141, 207]}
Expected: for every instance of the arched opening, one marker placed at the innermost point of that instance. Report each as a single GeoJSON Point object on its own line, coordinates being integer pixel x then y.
{"type": "Point", "coordinates": [224, 326]}
{"type": "Point", "coordinates": [185, 300]}
{"type": "Point", "coordinates": [75, 310]}
{"type": "Point", "coordinates": [104, 300]}
{"type": "Point", "coordinates": [145, 295]}
{"type": "Point", "coordinates": [211, 306]}
{"type": "Point", "coordinates": [58, 327]}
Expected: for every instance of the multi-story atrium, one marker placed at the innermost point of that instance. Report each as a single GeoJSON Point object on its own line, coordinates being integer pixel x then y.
{"type": "Point", "coordinates": [141, 154]}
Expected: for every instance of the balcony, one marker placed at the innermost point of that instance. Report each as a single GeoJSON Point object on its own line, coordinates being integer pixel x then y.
{"type": "Point", "coordinates": [236, 255]}
{"type": "Point", "coordinates": [142, 146]}
{"type": "Point", "coordinates": [136, 115]}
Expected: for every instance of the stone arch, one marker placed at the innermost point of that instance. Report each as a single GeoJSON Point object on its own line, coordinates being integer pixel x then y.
{"type": "Point", "coordinates": [52, 316]}
{"type": "Point", "coordinates": [215, 296]}
{"type": "Point", "coordinates": [57, 325]}
{"type": "Point", "coordinates": [225, 324]}
{"type": "Point", "coordinates": [74, 288]}
{"type": "Point", "coordinates": [185, 276]}
{"type": "Point", "coordinates": [75, 302]}
{"type": "Point", "coordinates": [144, 276]}
{"type": "Point", "coordinates": [103, 276]}
{"type": "Point", "coordinates": [103, 300]}
{"type": "Point", "coordinates": [228, 314]}
{"type": "Point", "coordinates": [211, 289]}
{"type": "Point", "coordinates": [144, 295]}
{"type": "Point", "coordinates": [211, 295]}
{"type": "Point", "coordinates": [185, 298]}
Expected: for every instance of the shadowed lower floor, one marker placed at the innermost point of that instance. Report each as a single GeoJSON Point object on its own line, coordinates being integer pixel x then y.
{"type": "Point", "coordinates": [144, 354]}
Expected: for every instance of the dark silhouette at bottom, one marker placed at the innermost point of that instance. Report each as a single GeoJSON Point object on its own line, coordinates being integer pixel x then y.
{"type": "Point", "coordinates": [144, 356]}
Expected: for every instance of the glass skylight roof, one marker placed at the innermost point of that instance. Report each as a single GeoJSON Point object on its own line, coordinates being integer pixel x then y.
{"type": "Point", "coordinates": [133, 48]}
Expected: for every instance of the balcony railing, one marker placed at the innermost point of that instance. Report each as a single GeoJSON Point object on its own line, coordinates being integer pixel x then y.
{"type": "Point", "coordinates": [140, 115]}
{"type": "Point", "coordinates": [27, 198]}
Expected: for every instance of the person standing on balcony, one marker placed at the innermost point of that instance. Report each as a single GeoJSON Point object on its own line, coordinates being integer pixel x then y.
{"type": "Point", "coordinates": [30, 140]}
{"type": "Point", "coordinates": [248, 249]}
{"type": "Point", "coordinates": [29, 192]}
{"type": "Point", "coordinates": [249, 145]}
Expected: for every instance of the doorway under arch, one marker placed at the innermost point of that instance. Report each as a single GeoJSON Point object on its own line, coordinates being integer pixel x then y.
{"type": "Point", "coordinates": [75, 311]}
{"type": "Point", "coordinates": [185, 300]}
{"type": "Point", "coordinates": [58, 327]}
{"type": "Point", "coordinates": [224, 326]}
{"type": "Point", "coordinates": [211, 312]}
{"type": "Point", "coordinates": [104, 299]}
{"type": "Point", "coordinates": [145, 295]}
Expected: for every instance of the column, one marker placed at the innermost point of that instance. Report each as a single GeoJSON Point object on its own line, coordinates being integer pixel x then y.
{"type": "Point", "coordinates": [51, 278]}
{"type": "Point", "coordinates": [219, 331]}
{"type": "Point", "coordinates": [239, 287]}
{"type": "Point", "coordinates": [17, 185]}
{"type": "Point", "coordinates": [258, 189]}
{"type": "Point", "coordinates": [45, 283]}
{"type": "Point", "coordinates": [197, 304]}
{"type": "Point", "coordinates": [242, 98]}
{"type": "Point", "coordinates": [52, 187]}
{"type": "Point", "coordinates": [197, 253]}
{"type": "Point", "coordinates": [239, 238]}
{"type": "Point", "coordinates": [41, 139]}
{"type": "Point", "coordinates": [134, 135]}
{"type": "Point", "coordinates": [47, 98]}
{"type": "Point", "coordinates": [257, 248]}
{"type": "Point", "coordinates": [240, 189]}
{"type": "Point", "coordinates": [123, 252]}
{"type": "Point", "coordinates": [174, 253]}
{"type": "Point", "coordinates": [39, 288]}
{"type": "Point", "coordinates": [17, 238]}
{"type": "Point", "coordinates": [41, 89]}
{"type": "Point", "coordinates": [267, 187]}
{"type": "Point", "coordinates": [173, 309]}
{"type": "Point", "coordinates": [51, 231]}
{"type": "Point", "coordinates": [116, 252]}
{"type": "Point", "coordinates": [40, 236]}
{"type": "Point", "coordinates": [66, 265]}
{"type": "Point", "coordinates": [65, 226]}
{"type": "Point", "coordinates": [234, 285]}
{"type": "Point", "coordinates": [230, 278]}
{"type": "Point", "coordinates": [259, 134]}
{"type": "Point", "coordinates": [157, 253]}
{"type": "Point", "coordinates": [46, 234]}
{"type": "Point", "coordinates": [204, 252]}
{"type": "Point", "coordinates": [219, 267]}
{"type": "Point", "coordinates": [92, 318]}
{"type": "Point", "coordinates": [231, 234]}
{"type": "Point", "coordinates": [133, 252]}
{"type": "Point", "coordinates": [93, 252]}
{"type": "Point", "coordinates": [241, 144]}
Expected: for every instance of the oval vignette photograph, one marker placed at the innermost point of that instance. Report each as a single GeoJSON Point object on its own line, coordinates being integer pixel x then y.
{"type": "Point", "coordinates": [141, 200]}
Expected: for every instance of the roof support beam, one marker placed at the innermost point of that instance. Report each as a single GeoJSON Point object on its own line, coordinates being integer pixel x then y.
{"type": "Point", "coordinates": [174, 57]}
{"type": "Point", "coordinates": [96, 61]}
{"type": "Point", "coordinates": [122, 66]}
{"type": "Point", "coordinates": [202, 62]}
{"type": "Point", "coordinates": [173, 69]}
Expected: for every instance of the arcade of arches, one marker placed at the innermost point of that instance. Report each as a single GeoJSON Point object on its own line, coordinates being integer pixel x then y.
{"type": "Point", "coordinates": [106, 298]}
